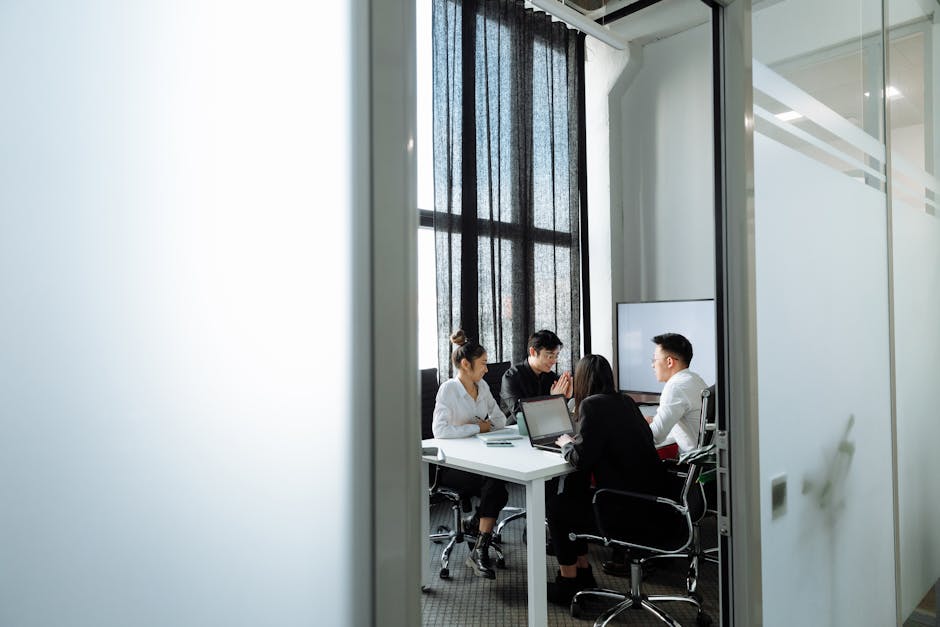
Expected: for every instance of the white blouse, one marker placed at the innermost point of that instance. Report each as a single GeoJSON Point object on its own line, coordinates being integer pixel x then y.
{"type": "Point", "coordinates": [455, 412]}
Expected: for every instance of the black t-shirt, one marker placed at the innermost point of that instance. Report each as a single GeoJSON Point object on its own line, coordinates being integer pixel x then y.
{"type": "Point", "coordinates": [519, 382]}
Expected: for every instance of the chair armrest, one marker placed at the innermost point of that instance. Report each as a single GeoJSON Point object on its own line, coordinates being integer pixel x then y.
{"type": "Point", "coordinates": [641, 496]}
{"type": "Point", "coordinates": [700, 455]}
{"type": "Point", "coordinates": [636, 519]}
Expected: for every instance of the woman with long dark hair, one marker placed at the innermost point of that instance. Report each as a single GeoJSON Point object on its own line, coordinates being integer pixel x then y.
{"type": "Point", "coordinates": [614, 446]}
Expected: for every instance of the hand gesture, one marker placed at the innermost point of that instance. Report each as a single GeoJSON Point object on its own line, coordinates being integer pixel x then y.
{"type": "Point", "coordinates": [484, 425]}
{"type": "Point", "coordinates": [564, 439]}
{"type": "Point", "coordinates": [563, 385]}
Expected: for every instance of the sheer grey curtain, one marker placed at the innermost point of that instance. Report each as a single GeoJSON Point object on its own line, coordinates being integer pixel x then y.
{"type": "Point", "coordinates": [506, 177]}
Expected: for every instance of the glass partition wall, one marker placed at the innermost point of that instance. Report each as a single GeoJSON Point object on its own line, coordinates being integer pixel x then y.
{"type": "Point", "coordinates": [822, 314]}
{"type": "Point", "coordinates": [913, 121]}
{"type": "Point", "coordinates": [847, 254]}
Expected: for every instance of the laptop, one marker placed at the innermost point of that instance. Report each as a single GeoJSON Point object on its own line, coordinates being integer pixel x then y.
{"type": "Point", "coordinates": [547, 418]}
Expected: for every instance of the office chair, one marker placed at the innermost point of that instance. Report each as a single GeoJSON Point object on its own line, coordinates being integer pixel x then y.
{"type": "Point", "coordinates": [706, 465]}
{"type": "Point", "coordinates": [494, 378]}
{"type": "Point", "coordinates": [429, 387]}
{"type": "Point", "coordinates": [440, 493]}
{"type": "Point", "coordinates": [708, 472]}
{"type": "Point", "coordinates": [647, 525]}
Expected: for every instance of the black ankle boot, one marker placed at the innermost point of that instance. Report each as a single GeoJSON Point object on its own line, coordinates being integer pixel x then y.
{"type": "Point", "coordinates": [563, 589]}
{"type": "Point", "coordinates": [479, 558]}
{"type": "Point", "coordinates": [586, 578]}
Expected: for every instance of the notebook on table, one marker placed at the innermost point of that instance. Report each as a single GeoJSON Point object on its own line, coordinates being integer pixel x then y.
{"type": "Point", "coordinates": [546, 419]}
{"type": "Point", "coordinates": [504, 433]}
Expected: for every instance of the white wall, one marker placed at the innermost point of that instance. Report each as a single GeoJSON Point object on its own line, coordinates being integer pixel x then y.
{"type": "Point", "coordinates": [667, 173]}
{"type": "Point", "coordinates": [651, 174]}
{"type": "Point", "coordinates": [178, 213]}
{"type": "Point", "coordinates": [603, 67]}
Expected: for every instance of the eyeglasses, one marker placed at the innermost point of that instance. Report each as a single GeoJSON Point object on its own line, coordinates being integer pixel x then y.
{"type": "Point", "coordinates": [553, 356]}
{"type": "Point", "coordinates": [664, 358]}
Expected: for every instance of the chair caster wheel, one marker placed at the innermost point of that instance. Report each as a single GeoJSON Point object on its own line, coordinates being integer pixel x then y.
{"type": "Point", "coordinates": [445, 573]}
{"type": "Point", "coordinates": [703, 620]}
{"type": "Point", "coordinates": [501, 563]}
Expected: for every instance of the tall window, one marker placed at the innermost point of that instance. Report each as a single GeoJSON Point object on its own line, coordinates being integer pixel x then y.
{"type": "Point", "coordinates": [507, 200]}
{"type": "Point", "coordinates": [427, 285]}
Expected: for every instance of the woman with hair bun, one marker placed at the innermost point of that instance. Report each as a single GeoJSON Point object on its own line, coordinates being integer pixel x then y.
{"type": "Point", "coordinates": [465, 407]}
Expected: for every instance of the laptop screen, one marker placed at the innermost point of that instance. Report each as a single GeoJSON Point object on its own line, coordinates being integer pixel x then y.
{"type": "Point", "coordinates": [546, 415]}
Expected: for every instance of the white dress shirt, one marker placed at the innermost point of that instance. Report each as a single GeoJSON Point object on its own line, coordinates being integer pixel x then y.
{"type": "Point", "coordinates": [455, 411]}
{"type": "Point", "coordinates": [680, 410]}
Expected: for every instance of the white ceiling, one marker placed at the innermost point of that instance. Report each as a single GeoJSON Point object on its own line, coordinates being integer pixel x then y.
{"type": "Point", "coordinates": [835, 80]}
{"type": "Point", "coordinates": [838, 82]}
{"type": "Point", "coordinates": [661, 20]}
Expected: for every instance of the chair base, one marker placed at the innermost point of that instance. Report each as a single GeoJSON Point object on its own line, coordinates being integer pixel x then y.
{"type": "Point", "coordinates": [636, 600]}
{"type": "Point", "coordinates": [456, 535]}
{"type": "Point", "coordinates": [694, 555]}
{"type": "Point", "coordinates": [518, 513]}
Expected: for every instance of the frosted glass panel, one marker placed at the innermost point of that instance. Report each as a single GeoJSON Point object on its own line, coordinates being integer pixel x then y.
{"type": "Point", "coordinates": [175, 245]}
{"type": "Point", "coordinates": [823, 376]}
{"type": "Point", "coordinates": [913, 59]}
{"type": "Point", "coordinates": [917, 341]}
{"type": "Point", "coordinates": [823, 332]}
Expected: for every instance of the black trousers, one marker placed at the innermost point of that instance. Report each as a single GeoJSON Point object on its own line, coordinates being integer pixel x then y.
{"type": "Point", "coordinates": [569, 510]}
{"type": "Point", "coordinates": [492, 492]}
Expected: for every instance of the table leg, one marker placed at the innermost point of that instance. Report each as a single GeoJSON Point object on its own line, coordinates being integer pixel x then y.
{"type": "Point", "coordinates": [425, 526]}
{"type": "Point", "coordinates": [535, 531]}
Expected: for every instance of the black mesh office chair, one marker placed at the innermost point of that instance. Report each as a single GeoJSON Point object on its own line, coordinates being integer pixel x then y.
{"type": "Point", "coordinates": [494, 378]}
{"type": "Point", "coordinates": [429, 387]}
{"type": "Point", "coordinates": [695, 553]}
{"type": "Point", "coordinates": [647, 525]}
{"type": "Point", "coordinates": [438, 492]}
{"type": "Point", "coordinates": [709, 471]}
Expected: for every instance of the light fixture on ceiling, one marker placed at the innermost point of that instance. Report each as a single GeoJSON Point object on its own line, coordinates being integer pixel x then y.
{"type": "Point", "coordinates": [789, 116]}
{"type": "Point", "coordinates": [890, 91]}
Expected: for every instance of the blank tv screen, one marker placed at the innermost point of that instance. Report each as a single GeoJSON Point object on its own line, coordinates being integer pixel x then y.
{"type": "Point", "coordinates": [638, 323]}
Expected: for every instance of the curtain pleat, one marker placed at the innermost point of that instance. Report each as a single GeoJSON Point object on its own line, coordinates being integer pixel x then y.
{"type": "Point", "coordinates": [506, 196]}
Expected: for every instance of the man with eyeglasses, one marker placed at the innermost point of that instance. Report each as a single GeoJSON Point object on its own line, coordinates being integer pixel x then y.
{"type": "Point", "coordinates": [680, 404]}
{"type": "Point", "coordinates": [535, 376]}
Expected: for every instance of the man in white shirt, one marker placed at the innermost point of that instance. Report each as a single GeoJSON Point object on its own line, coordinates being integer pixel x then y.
{"type": "Point", "coordinates": [680, 405]}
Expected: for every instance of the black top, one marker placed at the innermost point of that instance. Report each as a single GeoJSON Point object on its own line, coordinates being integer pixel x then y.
{"type": "Point", "coordinates": [521, 382]}
{"type": "Point", "coordinates": [615, 444]}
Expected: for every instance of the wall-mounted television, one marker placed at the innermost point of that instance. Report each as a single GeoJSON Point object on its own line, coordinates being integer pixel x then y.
{"type": "Point", "coordinates": [638, 323]}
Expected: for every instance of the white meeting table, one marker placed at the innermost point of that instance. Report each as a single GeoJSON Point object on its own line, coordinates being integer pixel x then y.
{"type": "Point", "coordinates": [520, 464]}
